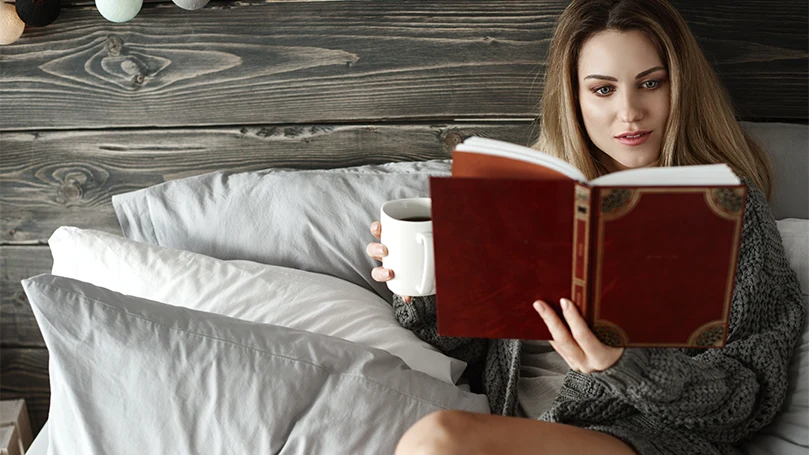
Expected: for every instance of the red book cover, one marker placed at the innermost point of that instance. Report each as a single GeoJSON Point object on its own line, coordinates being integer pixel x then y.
{"type": "Point", "coordinates": [646, 265]}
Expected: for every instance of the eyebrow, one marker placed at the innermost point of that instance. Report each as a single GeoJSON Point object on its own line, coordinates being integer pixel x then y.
{"type": "Point", "coordinates": [610, 78]}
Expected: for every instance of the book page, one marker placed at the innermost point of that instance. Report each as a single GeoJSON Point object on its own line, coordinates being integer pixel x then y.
{"type": "Point", "coordinates": [518, 152]}
{"type": "Point", "coordinates": [704, 174]}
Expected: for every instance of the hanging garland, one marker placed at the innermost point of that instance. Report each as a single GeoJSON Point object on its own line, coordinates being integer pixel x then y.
{"type": "Point", "coordinates": [39, 13]}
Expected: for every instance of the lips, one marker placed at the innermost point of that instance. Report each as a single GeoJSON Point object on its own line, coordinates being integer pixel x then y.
{"type": "Point", "coordinates": [632, 134]}
{"type": "Point", "coordinates": [633, 138]}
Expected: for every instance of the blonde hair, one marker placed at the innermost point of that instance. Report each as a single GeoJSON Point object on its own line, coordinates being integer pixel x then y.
{"type": "Point", "coordinates": [701, 127]}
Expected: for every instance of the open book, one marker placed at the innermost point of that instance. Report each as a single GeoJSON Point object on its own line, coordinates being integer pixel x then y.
{"type": "Point", "coordinates": [648, 255]}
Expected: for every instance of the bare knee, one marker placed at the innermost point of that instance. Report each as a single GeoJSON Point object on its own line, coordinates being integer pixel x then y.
{"type": "Point", "coordinates": [440, 432]}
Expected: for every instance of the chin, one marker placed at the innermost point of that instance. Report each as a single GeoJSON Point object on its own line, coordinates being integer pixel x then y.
{"type": "Point", "coordinates": [636, 162]}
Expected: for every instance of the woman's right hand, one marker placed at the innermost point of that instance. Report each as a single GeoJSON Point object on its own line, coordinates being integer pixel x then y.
{"type": "Point", "coordinates": [378, 251]}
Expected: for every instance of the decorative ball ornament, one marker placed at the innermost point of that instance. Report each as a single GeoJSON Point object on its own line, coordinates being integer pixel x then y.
{"type": "Point", "coordinates": [11, 26]}
{"type": "Point", "coordinates": [38, 13]}
{"type": "Point", "coordinates": [190, 4]}
{"type": "Point", "coordinates": [119, 10]}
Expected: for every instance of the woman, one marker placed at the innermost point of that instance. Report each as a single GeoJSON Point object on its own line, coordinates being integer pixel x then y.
{"type": "Point", "coordinates": [627, 86]}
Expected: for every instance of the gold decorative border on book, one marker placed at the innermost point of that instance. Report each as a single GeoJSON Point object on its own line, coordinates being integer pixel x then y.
{"type": "Point", "coordinates": [610, 334]}
{"type": "Point", "coordinates": [711, 334]}
{"type": "Point", "coordinates": [726, 202]}
{"type": "Point", "coordinates": [581, 198]}
{"type": "Point", "coordinates": [617, 202]}
{"type": "Point", "coordinates": [599, 257]}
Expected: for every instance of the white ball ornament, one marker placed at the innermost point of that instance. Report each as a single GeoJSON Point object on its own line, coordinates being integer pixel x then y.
{"type": "Point", "coordinates": [119, 10]}
{"type": "Point", "coordinates": [190, 4]}
{"type": "Point", "coordinates": [11, 26]}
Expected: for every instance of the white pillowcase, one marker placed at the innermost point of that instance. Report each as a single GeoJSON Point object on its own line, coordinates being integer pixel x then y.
{"type": "Point", "coordinates": [245, 290]}
{"type": "Point", "coordinates": [788, 433]}
{"type": "Point", "coordinates": [134, 376]}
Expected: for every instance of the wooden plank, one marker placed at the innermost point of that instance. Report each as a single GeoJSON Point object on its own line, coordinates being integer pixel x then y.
{"type": "Point", "coordinates": [313, 62]}
{"type": "Point", "coordinates": [57, 178]}
{"type": "Point", "coordinates": [731, 33]}
{"type": "Point", "coordinates": [18, 328]}
{"type": "Point", "coordinates": [291, 62]}
{"type": "Point", "coordinates": [24, 374]}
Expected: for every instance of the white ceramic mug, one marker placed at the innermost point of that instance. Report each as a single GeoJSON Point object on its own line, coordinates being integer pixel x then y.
{"type": "Point", "coordinates": [407, 232]}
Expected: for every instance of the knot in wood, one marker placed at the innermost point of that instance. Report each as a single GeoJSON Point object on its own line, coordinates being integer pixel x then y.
{"type": "Point", "coordinates": [452, 139]}
{"type": "Point", "coordinates": [114, 45]}
{"type": "Point", "coordinates": [138, 79]}
{"type": "Point", "coordinates": [70, 191]}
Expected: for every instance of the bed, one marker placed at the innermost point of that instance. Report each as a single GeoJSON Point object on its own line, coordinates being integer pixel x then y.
{"type": "Point", "coordinates": [271, 305]}
{"type": "Point", "coordinates": [249, 159]}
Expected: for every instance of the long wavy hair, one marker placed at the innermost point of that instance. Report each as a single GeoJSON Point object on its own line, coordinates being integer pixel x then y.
{"type": "Point", "coordinates": [701, 127]}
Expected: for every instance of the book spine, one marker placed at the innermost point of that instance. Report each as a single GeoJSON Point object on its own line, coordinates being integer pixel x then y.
{"type": "Point", "coordinates": [592, 253]}
{"type": "Point", "coordinates": [581, 246]}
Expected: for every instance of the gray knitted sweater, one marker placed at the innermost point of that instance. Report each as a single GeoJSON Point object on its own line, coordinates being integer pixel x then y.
{"type": "Point", "coordinates": [665, 401]}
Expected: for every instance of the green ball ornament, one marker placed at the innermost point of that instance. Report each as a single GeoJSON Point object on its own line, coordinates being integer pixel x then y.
{"type": "Point", "coordinates": [190, 4]}
{"type": "Point", "coordinates": [119, 10]}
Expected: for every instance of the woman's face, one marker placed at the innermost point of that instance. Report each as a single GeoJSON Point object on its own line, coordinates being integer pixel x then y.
{"type": "Point", "coordinates": [624, 97]}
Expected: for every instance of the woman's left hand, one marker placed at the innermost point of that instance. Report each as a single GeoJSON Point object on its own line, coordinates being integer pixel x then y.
{"type": "Point", "coordinates": [579, 346]}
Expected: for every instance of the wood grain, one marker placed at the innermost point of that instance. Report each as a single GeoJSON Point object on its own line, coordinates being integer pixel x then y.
{"type": "Point", "coordinates": [18, 328]}
{"type": "Point", "coordinates": [24, 374]}
{"type": "Point", "coordinates": [293, 62]}
{"type": "Point", "coordinates": [67, 178]}
{"type": "Point", "coordinates": [310, 62]}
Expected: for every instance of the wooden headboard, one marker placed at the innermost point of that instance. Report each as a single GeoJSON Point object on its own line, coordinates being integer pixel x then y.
{"type": "Point", "coordinates": [89, 109]}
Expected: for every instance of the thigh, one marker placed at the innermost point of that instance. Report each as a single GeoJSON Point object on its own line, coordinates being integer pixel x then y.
{"type": "Point", "coordinates": [467, 432]}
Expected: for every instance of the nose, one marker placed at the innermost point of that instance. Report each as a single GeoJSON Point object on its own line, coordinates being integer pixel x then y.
{"type": "Point", "coordinates": [631, 109]}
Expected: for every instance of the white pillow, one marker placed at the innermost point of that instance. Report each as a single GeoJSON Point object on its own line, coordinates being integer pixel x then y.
{"type": "Point", "coordinates": [134, 376]}
{"type": "Point", "coordinates": [308, 220]}
{"type": "Point", "coordinates": [788, 433]}
{"type": "Point", "coordinates": [786, 144]}
{"type": "Point", "coordinates": [245, 290]}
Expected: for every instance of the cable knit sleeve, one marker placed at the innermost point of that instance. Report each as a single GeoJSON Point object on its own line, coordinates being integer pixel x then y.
{"type": "Point", "coordinates": [725, 394]}
{"type": "Point", "coordinates": [419, 316]}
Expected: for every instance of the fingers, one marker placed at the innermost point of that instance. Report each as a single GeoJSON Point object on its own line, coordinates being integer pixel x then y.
{"type": "Point", "coordinates": [580, 331]}
{"type": "Point", "coordinates": [563, 342]}
{"type": "Point", "coordinates": [376, 229]}
{"type": "Point", "coordinates": [578, 345]}
{"type": "Point", "coordinates": [376, 251]}
{"type": "Point", "coordinates": [381, 274]}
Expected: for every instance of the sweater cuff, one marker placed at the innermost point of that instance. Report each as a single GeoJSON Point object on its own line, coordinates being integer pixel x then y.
{"type": "Point", "coordinates": [414, 314]}
{"type": "Point", "coordinates": [628, 371]}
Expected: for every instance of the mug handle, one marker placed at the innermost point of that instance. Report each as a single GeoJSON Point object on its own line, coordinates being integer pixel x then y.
{"type": "Point", "coordinates": [428, 277]}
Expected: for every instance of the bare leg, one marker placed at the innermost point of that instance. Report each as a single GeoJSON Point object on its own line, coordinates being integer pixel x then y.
{"type": "Point", "coordinates": [459, 432]}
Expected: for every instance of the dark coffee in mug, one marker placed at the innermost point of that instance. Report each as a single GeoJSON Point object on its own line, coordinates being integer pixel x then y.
{"type": "Point", "coordinates": [416, 218]}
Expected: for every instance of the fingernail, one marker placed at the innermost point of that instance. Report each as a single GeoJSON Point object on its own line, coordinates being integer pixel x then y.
{"type": "Point", "coordinates": [386, 274]}
{"type": "Point", "coordinates": [538, 306]}
{"type": "Point", "coordinates": [565, 303]}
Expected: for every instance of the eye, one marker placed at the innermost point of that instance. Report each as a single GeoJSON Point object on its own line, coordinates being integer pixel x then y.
{"type": "Point", "coordinates": [653, 84]}
{"type": "Point", "coordinates": [602, 91]}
